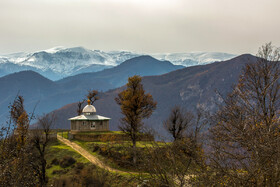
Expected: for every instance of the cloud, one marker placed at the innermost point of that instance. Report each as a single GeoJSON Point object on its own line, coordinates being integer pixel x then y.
{"type": "Point", "coordinates": [141, 25]}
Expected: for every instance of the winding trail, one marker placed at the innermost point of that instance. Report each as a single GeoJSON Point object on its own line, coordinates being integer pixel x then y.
{"type": "Point", "coordinates": [94, 160]}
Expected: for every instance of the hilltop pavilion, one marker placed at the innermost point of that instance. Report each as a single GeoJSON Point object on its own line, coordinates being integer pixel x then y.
{"type": "Point", "coordinates": [89, 120]}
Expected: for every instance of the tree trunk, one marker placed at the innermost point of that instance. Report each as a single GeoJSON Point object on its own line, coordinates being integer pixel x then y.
{"type": "Point", "coordinates": [134, 152]}
{"type": "Point", "coordinates": [42, 173]}
{"type": "Point", "coordinates": [44, 181]}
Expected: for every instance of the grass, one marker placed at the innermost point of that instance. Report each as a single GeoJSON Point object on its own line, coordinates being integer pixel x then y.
{"type": "Point", "coordinates": [142, 144]}
{"type": "Point", "coordinates": [64, 134]}
{"type": "Point", "coordinates": [109, 161]}
{"type": "Point", "coordinates": [59, 150]}
{"type": "Point", "coordinates": [52, 169]}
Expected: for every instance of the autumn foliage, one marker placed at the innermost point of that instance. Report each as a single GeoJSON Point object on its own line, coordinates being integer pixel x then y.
{"type": "Point", "coordinates": [136, 105]}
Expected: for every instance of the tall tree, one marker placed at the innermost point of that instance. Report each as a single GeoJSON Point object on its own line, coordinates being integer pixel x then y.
{"type": "Point", "coordinates": [135, 106]}
{"type": "Point", "coordinates": [246, 136]}
{"type": "Point", "coordinates": [15, 150]}
{"type": "Point", "coordinates": [21, 120]}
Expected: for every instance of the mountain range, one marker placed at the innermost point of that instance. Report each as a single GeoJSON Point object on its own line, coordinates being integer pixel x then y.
{"type": "Point", "coordinates": [48, 95]}
{"type": "Point", "coordinates": [169, 84]}
{"type": "Point", "coordinates": [60, 62]}
{"type": "Point", "coordinates": [188, 87]}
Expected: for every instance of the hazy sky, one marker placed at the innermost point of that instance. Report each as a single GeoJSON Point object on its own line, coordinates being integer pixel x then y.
{"type": "Point", "coordinates": [233, 26]}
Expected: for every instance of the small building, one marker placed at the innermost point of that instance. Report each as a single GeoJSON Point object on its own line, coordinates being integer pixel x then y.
{"type": "Point", "coordinates": [89, 121]}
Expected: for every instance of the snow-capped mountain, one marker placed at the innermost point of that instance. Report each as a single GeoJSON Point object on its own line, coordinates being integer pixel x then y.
{"type": "Point", "coordinates": [194, 58]}
{"type": "Point", "coordinates": [60, 62]}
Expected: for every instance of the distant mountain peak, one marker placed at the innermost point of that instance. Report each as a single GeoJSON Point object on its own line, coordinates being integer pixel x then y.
{"type": "Point", "coordinates": [141, 58]}
{"type": "Point", "coordinates": [59, 62]}
{"type": "Point", "coordinates": [79, 49]}
{"type": "Point", "coordinates": [54, 49]}
{"type": "Point", "coordinates": [25, 75]}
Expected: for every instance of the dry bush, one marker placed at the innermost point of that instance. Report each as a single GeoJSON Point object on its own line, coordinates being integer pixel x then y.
{"type": "Point", "coordinates": [67, 161]}
{"type": "Point", "coordinates": [91, 176]}
{"type": "Point", "coordinates": [55, 161]}
{"type": "Point", "coordinates": [173, 164]}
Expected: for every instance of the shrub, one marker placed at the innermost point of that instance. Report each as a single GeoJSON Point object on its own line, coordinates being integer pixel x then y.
{"type": "Point", "coordinates": [67, 161]}
{"type": "Point", "coordinates": [65, 181]}
{"type": "Point", "coordinates": [79, 167]}
{"type": "Point", "coordinates": [55, 161]}
{"type": "Point", "coordinates": [95, 148]}
{"type": "Point", "coordinates": [91, 176]}
{"type": "Point", "coordinates": [60, 172]}
{"type": "Point", "coordinates": [48, 166]}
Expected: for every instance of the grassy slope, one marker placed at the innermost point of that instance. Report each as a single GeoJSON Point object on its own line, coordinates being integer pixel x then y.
{"type": "Point", "coordinates": [89, 145]}
{"type": "Point", "coordinates": [59, 150]}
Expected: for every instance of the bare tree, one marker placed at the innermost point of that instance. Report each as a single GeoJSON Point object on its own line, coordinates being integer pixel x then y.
{"type": "Point", "coordinates": [178, 122]}
{"type": "Point", "coordinates": [40, 139]}
{"type": "Point", "coordinates": [80, 109]}
{"type": "Point", "coordinates": [92, 96]}
{"type": "Point", "coordinates": [178, 163]}
{"type": "Point", "coordinates": [245, 138]}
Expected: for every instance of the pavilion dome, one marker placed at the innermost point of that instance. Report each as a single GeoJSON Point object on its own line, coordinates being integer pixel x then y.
{"type": "Point", "coordinates": [89, 109]}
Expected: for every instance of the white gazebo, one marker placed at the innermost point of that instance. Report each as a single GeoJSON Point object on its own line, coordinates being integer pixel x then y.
{"type": "Point", "coordinates": [89, 120]}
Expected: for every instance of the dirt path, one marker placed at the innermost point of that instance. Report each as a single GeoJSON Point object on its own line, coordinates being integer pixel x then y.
{"type": "Point", "coordinates": [94, 160]}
